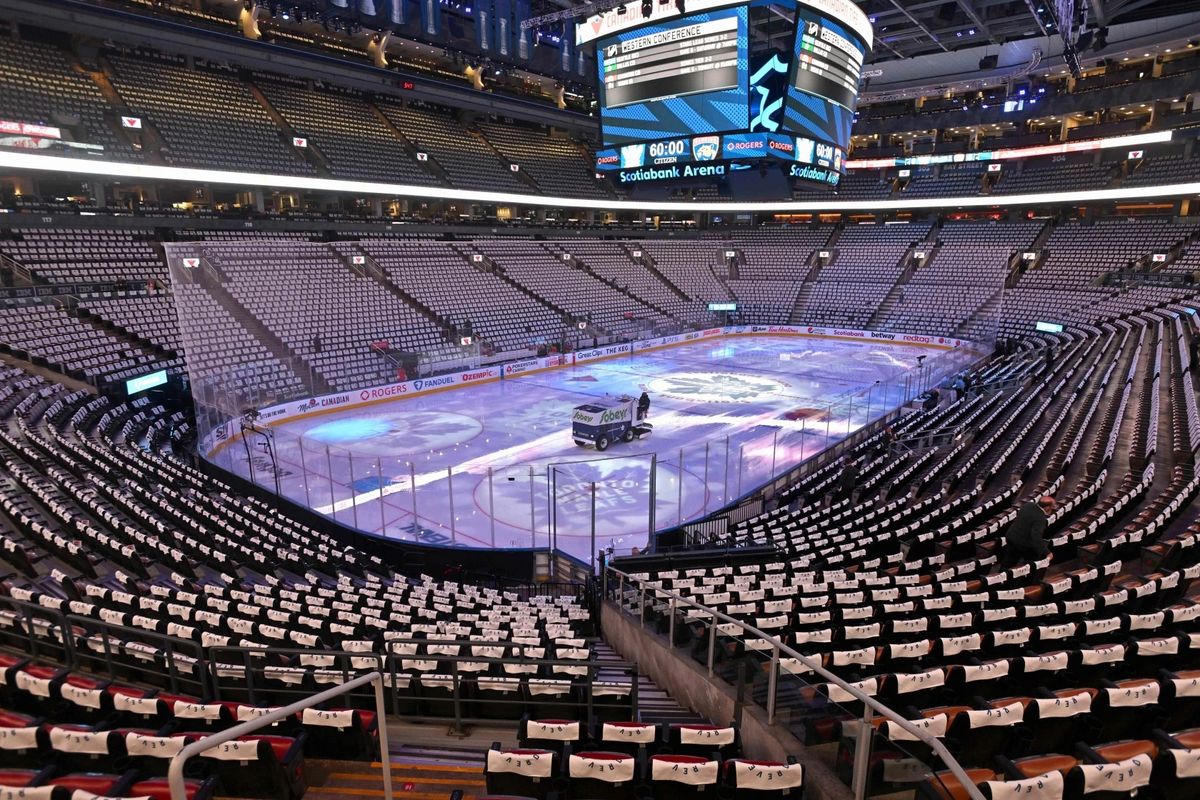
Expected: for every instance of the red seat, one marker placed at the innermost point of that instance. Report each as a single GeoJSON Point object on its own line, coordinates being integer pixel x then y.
{"type": "Point", "coordinates": [159, 789]}
{"type": "Point", "coordinates": [945, 786]}
{"type": "Point", "coordinates": [172, 699]}
{"type": "Point", "coordinates": [1120, 751]}
{"type": "Point", "coordinates": [10, 661]}
{"type": "Point", "coordinates": [17, 777]}
{"type": "Point", "coordinates": [279, 771]}
{"type": "Point", "coordinates": [94, 782]}
{"type": "Point", "coordinates": [521, 772]}
{"type": "Point", "coordinates": [613, 779]}
{"type": "Point", "coordinates": [1188, 738]}
{"type": "Point", "coordinates": [681, 776]}
{"type": "Point", "coordinates": [11, 719]}
{"type": "Point", "coordinates": [84, 682]}
{"type": "Point", "coordinates": [1039, 765]}
{"type": "Point", "coordinates": [280, 744]}
{"type": "Point", "coordinates": [357, 741]}
{"type": "Point", "coordinates": [743, 779]}
{"type": "Point", "coordinates": [42, 671]}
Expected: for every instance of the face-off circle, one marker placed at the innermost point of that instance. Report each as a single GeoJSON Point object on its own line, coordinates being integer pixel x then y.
{"type": "Point", "coordinates": [398, 433]}
{"type": "Point", "coordinates": [716, 387]}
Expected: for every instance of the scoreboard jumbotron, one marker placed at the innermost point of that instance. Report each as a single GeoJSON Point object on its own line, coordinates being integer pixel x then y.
{"type": "Point", "coordinates": [682, 95]}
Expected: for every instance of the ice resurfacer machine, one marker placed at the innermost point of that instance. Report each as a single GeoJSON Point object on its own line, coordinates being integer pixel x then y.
{"type": "Point", "coordinates": [603, 422]}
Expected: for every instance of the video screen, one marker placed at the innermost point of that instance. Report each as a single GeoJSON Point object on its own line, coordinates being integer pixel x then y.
{"type": "Point", "coordinates": [676, 78]}
{"type": "Point", "coordinates": [827, 61]}
{"type": "Point", "coordinates": [721, 88]}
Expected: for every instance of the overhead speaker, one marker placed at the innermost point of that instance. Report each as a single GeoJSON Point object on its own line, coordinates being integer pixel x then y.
{"type": "Point", "coordinates": [989, 62]}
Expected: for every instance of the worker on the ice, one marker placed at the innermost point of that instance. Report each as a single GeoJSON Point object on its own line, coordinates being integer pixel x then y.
{"type": "Point", "coordinates": [643, 405]}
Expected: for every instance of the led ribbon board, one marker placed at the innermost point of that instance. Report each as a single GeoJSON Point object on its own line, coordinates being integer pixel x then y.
{"type": "Point", "coordinates": [154, 172]}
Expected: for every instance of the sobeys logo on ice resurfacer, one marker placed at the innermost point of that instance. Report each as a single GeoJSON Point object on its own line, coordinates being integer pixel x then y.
{"type": "Point", "coordinates": [597, 416]}
{"type": "Point", "coordinates": [614, 415]}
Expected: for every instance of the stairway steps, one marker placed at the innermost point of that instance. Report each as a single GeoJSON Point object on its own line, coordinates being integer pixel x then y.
{"type": "Point", "coordinates": [435, 758]}
{"type": "Point", "coordinates": [654, 704]}
{"type": "Point", "coordinates": [416, 780]}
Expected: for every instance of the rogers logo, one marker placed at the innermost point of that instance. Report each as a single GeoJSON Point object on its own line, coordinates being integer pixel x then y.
{"type": "Point", "coordinates": [743, 145]}
{"type": "Point", "coordinates": [783, 147]}
{"type": "Point", "coordinates": [613, 159]}
{"type": "Point", "coordinates": [384, 391]}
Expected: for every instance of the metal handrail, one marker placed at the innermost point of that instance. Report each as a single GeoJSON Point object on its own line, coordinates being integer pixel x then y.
{"type": "Point", "coordinates": [175, 770]}
{"type": "Point", "coordinates": [171, 647]}
{"type": "Point", "coordinates": [778, 647]}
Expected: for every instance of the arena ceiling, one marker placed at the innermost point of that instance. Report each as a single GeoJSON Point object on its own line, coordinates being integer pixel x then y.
{"type": "Point", "coordinates": [908, 28]}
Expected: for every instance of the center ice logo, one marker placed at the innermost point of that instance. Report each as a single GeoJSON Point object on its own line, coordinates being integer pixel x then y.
{"type": "Point", "coordinates": [704, 387]}
{"type": "Point", "coordinates": [396, 433]}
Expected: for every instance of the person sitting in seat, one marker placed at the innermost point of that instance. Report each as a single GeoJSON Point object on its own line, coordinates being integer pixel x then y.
{"type": "Point", "coordinates": [1024, 540]}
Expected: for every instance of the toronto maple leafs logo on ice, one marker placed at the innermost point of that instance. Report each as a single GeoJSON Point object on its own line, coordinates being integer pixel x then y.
{"type": "Point", "coordinates": [719, 387]}
{"type": "Point", "coordinates": [397, 433]}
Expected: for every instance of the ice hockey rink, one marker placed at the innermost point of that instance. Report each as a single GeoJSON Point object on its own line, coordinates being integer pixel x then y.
{"type": "Point", "coordinates": [495, 464]}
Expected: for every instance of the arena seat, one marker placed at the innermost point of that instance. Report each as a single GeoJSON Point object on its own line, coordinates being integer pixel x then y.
{"type": "Point", "coordinates": [258, 765]}
{"type": "Point", "coordinates": [683, 775]}
{"type": "Point", "coordinates": [340, 733]}
{"type": "Point", "coordinates": [746, 779]}
{"type": "Point", "coordinates": [945, 786]}
{"type": "Point", "coordinates": [604, 775]}
{"type": "Point", "coordinates": [525, 772]}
